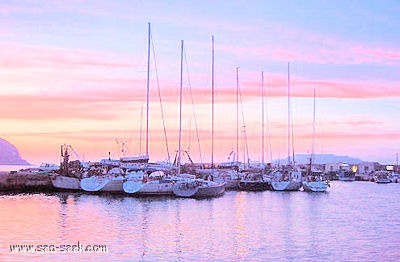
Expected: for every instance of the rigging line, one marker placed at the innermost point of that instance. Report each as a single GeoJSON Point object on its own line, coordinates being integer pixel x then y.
{"type": "Point", "coordinates": [159, 96]}
{"type": "Point", "coordinates": [194, 113]}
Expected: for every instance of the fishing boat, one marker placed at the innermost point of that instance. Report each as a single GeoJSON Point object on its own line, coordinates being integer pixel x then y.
{"type": "Point", "coordinates": [70, 173]}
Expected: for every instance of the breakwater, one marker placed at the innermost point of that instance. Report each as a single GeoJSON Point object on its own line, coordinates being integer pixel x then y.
{"type": "Point", "coordinates": [24, 181]}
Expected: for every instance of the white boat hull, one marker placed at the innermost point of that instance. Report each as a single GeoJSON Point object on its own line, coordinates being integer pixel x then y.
{"type": "Point", "coordinates": [66, 183]}
{"type": "Point", "coordinates": [286, 185]}
{"type": "Point", "coordinates": [210, 191]}
{"type": "Point", "coordinates": [94, 183]}
{"type": "Point", "coordinates": [114, 185]}
{"type": "Point", "coordinates": [157, 187]}
{"type": "Point", "coordinates": [185, 188]}
{"type": "Point", "coordinates": [315, 186]}
{"type": "Point", "coordinates": [132, 187]}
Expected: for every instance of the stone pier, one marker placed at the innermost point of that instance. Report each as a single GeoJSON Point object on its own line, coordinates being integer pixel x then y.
{"type": "Point", "coordinates": [24, 181]}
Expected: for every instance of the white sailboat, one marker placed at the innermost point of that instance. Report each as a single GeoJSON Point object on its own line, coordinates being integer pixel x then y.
{"type": "Point", "coordinates": [314, 180]}
{"type": "Point", "coordinates": [253, 179]}
{"type": "Point", "coordinates": [104, 178]}
{"type": "Point", "coordinates": [194, 187]}
{"type": "Point", "coordinates": [147, 178]}
{"type": "Point", "coordinates": [288, 179]}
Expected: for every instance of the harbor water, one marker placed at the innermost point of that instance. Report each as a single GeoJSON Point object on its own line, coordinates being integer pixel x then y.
{"type": "Point", "coordinates": [353, 221]}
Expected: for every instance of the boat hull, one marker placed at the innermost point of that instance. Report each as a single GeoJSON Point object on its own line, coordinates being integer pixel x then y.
{"type": "Point", "coordinates": [317, 186]}
{"type": "Point", "coordinates": [210, 191]}
{"type": "Point", "coordinates": [286, 185]}
{"type": "Point", "coordinates": [114, 185]}
{"type": "Point", "coordinates": [66, 183]}
{"type": "Point", "coordinates": [132, 187]}
{"type": "Point", "coordinates": [185, 188]}
{"type": "Point", "coordinates": [156, 188]}
{"type": "Point", "coordinates": [253, 185]}
{"type": "Point", "coordinates": [94, 183]}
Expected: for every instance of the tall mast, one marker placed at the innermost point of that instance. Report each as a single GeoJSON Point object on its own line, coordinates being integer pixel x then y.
{"type": "Point", "coordinates": [289, 123]}
{"type": "Point", "coordinates": [148, 92]}
{"type": "Point", "coordinates": [180, 113]}
{"type": "Point", "coordinates": [237, 114]}
{"type": "Point", "coordinates": [212, 102]}
{"type": "Point", "coordinates": [262, 117]}
{"type": "Point", "coordinates": [313, 143]}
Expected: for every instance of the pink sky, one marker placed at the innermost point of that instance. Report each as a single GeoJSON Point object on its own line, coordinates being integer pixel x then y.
{"type": "Point", "coordinates": [76, 74]}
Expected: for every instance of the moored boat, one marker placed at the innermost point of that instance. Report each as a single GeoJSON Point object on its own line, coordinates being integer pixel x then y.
{"type": "Point", "coordinates": [70, 173]}
{"type": "Point", "coordinates": [209, 188]}
{"type": "Point", "coordinates": [382, 177]}
{"type": "Point", "coordinates": [253, 182]}
{"type": "Point", "coordinates": [347, 175]}
{"type": "Point", "coordinates": [286, 181]}
{"type": "Point", "coordinates": [315, 182]}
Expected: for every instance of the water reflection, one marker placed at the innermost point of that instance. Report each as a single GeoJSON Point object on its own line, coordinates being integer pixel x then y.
{"type": "Point", "coordinates": [351, 222]}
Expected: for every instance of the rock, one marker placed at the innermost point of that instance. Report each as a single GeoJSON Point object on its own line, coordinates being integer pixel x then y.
{"type": "Point", "coordinates": [9, 154]}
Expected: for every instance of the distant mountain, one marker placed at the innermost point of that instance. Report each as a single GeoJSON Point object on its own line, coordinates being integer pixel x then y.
{"type": "Point", "coordinates": [9, 154]}
{"type": "Point", "coordinates": [322, 159]}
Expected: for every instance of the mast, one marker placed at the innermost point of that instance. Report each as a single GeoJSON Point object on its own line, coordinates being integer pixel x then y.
{"type": "Point", "coordinates": [148, 92]}
{"type": "Point", "coordinates": [262, 117]}
{"type": "Point", "coordinates": [237, 114]}
{"type": "Point", "coordinates": [288, 124]}
{"type": "Point", "coordinates": [212, 107]}
{"type": "Point", "coordinates": [180, 113]}
{"type": "Point", "coordinates": [313, 140]}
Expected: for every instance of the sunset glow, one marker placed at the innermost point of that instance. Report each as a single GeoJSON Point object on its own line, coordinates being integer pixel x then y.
{"type": "Point", "coordinates": [75, 72]}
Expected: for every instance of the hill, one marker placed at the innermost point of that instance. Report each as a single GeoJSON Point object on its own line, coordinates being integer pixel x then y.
{"type": "Point", "coordinates": [9, 154]}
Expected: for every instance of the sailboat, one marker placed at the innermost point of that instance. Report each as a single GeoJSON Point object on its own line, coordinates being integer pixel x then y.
{"type": "Point", "coordinates": [225, 175]}
{"type": "Point", "coordinates": [187, 185]}
{"type": "Point", "coordinates": [149, 179]}
{"type": "Point", "coordinates": [287, 179]}
{"type": "Point", "coordinates": [315, 181]}
{"type": "Point", "coordinates": [253, 179]}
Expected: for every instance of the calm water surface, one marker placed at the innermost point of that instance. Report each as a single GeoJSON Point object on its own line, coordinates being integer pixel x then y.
{"type": "Point", "coordinates": [354, 221]}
